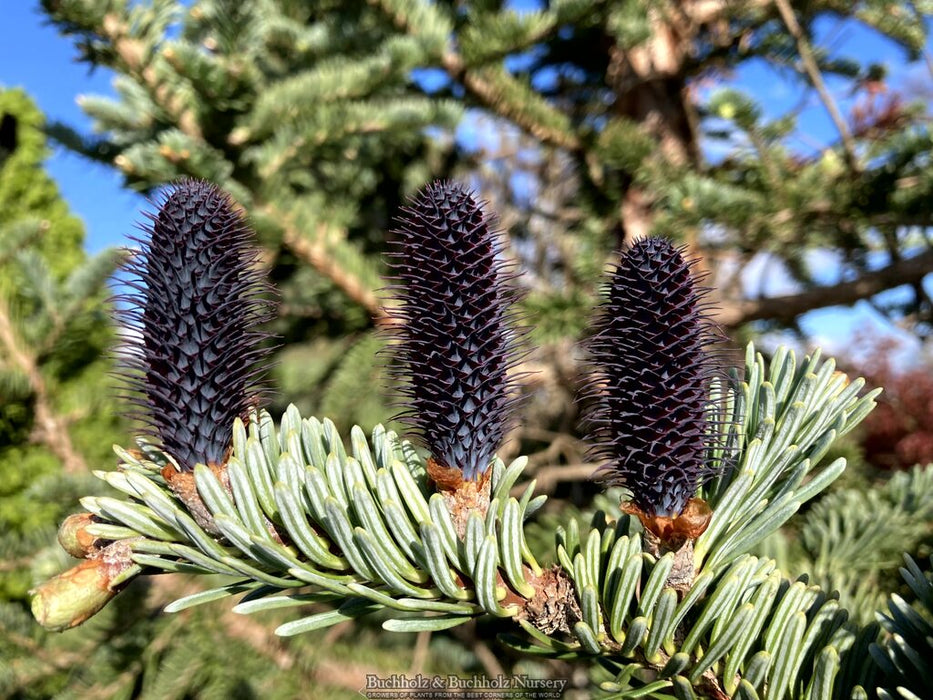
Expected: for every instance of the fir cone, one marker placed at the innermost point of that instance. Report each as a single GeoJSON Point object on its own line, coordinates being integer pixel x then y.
{"type": "Point", "coordinates": [652, 366]}
{"type": "Point", "coordinates": [455, 344]}
{"type": "Point", "coordinates": [197, 298]}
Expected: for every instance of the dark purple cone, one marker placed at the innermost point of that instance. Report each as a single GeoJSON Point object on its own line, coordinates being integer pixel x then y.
{"type": "Point", "coordinates": [455, 342]}
{"type": "Point", "coordinates": [649, 395]}
{"type": "Point", "coordinates": [198, 297]}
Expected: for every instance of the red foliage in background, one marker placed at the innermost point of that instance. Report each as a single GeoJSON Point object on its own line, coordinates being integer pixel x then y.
{"type": "Point", "coordinates": [899, 432]}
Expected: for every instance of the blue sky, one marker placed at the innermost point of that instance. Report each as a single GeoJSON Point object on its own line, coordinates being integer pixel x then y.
{"type": "Point", "coordinates": [34, 57]}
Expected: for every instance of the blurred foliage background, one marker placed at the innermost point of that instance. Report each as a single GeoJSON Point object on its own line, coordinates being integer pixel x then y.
{"type": "Point", "coordinates": [594, 123]}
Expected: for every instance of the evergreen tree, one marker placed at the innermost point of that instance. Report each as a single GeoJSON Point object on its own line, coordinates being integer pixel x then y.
{"type": "Point", "coordinates": [318, 117]}
{"type": "Point", "coordinates": [55, 410]}
{"type": "Point", "coordinates": [626, 99]}
{"type": "Point", "coordinates": [307, 113]}
{"type": "Point", "coordinates": [56, 413]}
{"type": "Point", "coordinates": [28, 194]}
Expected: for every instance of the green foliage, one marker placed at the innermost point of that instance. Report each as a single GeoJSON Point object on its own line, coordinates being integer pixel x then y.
{"type": "Point", "coordinates": [623, 145]}
{"type": "Point", "coordinates": [131, 651]}
{"type": "Point", "coordinates": [852, 540]}
{"type": "Point", "coordinates": [28, 194]}
{"type": "Point", "coordinates": [368, 534]}
{"type": "Point", "coordinates": [306, 113]}
{"type": "Point", "coordinates": [320, 117]}
{"type": "Point", "coordinates": [54, 331]}
{"type": "Point", "coordinates": [353, 393]}
{"type": "Point", "coordinates": [907, 656]}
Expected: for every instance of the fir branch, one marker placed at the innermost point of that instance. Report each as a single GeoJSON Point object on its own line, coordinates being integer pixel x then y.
{"type": "Point", "coordinates": [491, 36]}
{"type": "Point", "coordinates": [135, 57]}
{"type": "Point", "coordinates": [816, 79]}
{"type": "Point", "coordinates": [425, 20]}
{"type": "Point", "coordinates": [492, 86]}
{"type": "Point", "coordinates": [361, 529]}
{"type": "Point", "coordinates": [335, 80]}
{"type": "Point", "coordinates": [905, 655]}
{"type": "Point", "coordinates": [502, 94]}
{"type": "Point", "coordinates": [50, 429]}
{"type": "Point", "coordinates": [852, 540]}
{"type": "Point", "coordinates": [785, 309]}
{"type": "Point", "coordinates": [315, 253]}
{"type": "Point", "coordinates": [298, 139]}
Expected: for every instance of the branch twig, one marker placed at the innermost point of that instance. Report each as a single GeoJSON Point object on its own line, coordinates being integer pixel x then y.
{"type": "Point", "coordinates": [816, 78]}
{"type": "Point", "coordinates": [315, 254]}
{"type": "Point", "coordinates": [786, 308]}
{"type": "Point", "coordinates": [132, 53]}
{"type": "Point", "coordinates": [490, 97]}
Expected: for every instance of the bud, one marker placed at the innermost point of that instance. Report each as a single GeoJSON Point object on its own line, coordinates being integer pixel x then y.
{"type": "Point", "coordinates": [74, 538]}
{"type": "Point", "coordinates": [76, 595]}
